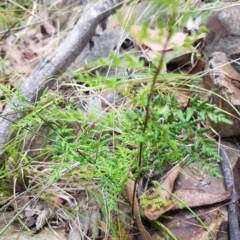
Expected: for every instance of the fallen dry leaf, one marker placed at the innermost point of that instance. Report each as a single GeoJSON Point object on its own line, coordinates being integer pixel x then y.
{"type": "Point", "coordinates": [155, 39]}
{"type": "Point", "coordinates": [153, 215]}
{"type": "Point", "coordinates": [43, 217]}
{"type": "Point", "coordinates": [186, 62]}
{"type": "Point", "coordinates": [169, 182]}
{"type": "Point", "coordinates": [165, 195]}
{"type": "Point", "coordinates": [198, 67]}
{"type": "Point", "coordinates": [25, 48]}
{"type": "Point", "coordinates": [197, 198]}
{"type": "Point", "coordinates": [130, 192]}
{"type": "Point", "coordinates": [32, 212]}
{"type": "Point", "coordinates": [226, 68]}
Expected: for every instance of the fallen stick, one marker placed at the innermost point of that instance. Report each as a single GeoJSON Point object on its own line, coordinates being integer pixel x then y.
{"type": "Point", "coordinates": [46, 72]}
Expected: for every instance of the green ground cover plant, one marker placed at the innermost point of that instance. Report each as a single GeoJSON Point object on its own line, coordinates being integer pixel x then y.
{"type": "Point", "coordinates": [147, 130]}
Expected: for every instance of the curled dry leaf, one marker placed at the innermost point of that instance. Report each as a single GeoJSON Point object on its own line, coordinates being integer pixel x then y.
{"type": "Point", "coordinates": [136, 211]}
{"type": "Point", "coordinates": [163, 194]}
{"type": "Point", "coordinates": [153, 215]}
{"type": "Point", "coordinates": [43, 217]}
